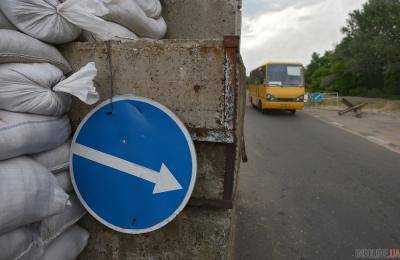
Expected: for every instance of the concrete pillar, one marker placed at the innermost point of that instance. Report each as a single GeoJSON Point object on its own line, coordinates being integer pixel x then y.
{"type": "Point", "coordinates": [201, 79]}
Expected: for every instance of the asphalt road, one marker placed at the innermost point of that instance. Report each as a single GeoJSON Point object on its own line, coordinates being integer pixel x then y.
{"type": "Point", "coordinates": [313, 191]}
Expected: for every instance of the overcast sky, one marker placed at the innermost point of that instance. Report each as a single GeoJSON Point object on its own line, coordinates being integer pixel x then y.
{"type": "Point", "coordinates": [291, 30]}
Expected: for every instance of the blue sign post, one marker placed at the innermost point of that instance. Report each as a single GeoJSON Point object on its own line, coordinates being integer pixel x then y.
{"type": "Point", "coordinates": [133, 164]}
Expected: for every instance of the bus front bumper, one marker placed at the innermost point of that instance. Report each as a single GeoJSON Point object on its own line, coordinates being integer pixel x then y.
{"type": "Point", "coordinates": [283, 105]}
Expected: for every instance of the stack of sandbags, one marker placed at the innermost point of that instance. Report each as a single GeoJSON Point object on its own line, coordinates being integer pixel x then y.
{"type": "Point", "coordinates": [24, 244]}
{"type": "Point", "coordinates": [56, 21]}
{"type": "Point", "coordinates": [37, 216]}
{"type": "Point", "coordinates": [38, 209]}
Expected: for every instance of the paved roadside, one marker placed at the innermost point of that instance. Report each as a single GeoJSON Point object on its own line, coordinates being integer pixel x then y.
{"type": "Point", "coordinates": [313, 191]}
{"type": "Point", "coordinates": [380, 128]}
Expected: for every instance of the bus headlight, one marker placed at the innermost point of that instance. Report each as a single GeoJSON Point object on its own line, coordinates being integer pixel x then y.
{"type": "Point", "coordinates": [270, 97]}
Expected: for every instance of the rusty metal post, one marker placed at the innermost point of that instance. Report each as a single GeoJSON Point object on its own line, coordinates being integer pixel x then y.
{"type": "Point", "coordinates": [231, 44]}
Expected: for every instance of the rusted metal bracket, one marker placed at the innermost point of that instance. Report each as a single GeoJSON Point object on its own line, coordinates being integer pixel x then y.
{"type": "Point", "coordinates": [231, 44]}
{"type": "Point", "coordinates": [229, 135]}
{"type": "Point", "coordinates": [232, 41]}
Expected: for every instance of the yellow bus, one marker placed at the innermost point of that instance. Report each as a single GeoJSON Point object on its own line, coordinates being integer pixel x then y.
{"type": "Point", "coordinates": [278, 86]}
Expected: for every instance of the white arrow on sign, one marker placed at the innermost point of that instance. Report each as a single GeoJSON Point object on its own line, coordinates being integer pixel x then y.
{"type": "Point", "coordinates": [164, 180]}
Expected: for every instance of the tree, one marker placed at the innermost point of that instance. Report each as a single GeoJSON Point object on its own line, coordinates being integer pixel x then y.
{"type": "Point", "coordinates": [366, 61]}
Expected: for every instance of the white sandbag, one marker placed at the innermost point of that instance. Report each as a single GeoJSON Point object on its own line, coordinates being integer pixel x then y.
{"type": "Point", "coordinates": [129, 14]}
{"type": "Point", "coordinates": [40, 88]}
{"type": "Point", "coordinates": [27, 88]}
{"type": "Point", "coordinates": [29, 134]}
{"type": "Point", "coordinates": [52, 227]}
{"type": "Point", "coordinates": [17, 244]}
{"type": "Point", "coordinates": [86, 14]}
{"type": "Point", "coordinates": [55, 160]}
{"type": "Point", "coordinates": [5, 23]}
{"type": "Point", "coordinates": [16, 47]}
{"type": "Point", "coordinates": [152, 8]}
{"type": "Point", "coordinates": [64, 181]}
{"type": "Point", "coordinates": [28, 193]}
{"type": "Point", "coordinates": [68, 246]}
{"type": "Point", "coordinates": [91, 37]}
{"type": "Point", "coordinates": [40, 19]}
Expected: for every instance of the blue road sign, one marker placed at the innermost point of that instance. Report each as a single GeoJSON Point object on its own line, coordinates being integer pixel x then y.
{"type": "Point", "coordinates": [133, 164]}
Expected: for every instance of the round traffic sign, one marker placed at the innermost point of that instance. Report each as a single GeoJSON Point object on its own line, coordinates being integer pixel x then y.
{"type": "Point", "coordinates": [133, 164]}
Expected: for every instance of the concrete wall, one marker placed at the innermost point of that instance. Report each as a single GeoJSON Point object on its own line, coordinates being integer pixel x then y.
{"type": "Point", "coordinates": [202, 19]}
{"type": "Point", "coordinates": [196, 233]}
{"type": "Point", "coordinates": [187, 76]}
{"type": "Point", "coordinates": [194, 79]}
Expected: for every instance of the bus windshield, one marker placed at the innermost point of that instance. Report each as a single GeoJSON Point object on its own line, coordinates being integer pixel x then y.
{"type": "Point", "coordinates": [285, 75]}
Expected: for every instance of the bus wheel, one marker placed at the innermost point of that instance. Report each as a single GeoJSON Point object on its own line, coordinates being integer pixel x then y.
{"type": "Point", "coordinates": [260, 106]}
{"type": "Point", "coordinates": [292, 112]}
{"type": "Point", "coordinates": [252, 103]}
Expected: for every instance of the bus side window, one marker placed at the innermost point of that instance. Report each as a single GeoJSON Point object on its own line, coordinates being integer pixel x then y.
{"type": "Point", "coordinates": [266, 75]}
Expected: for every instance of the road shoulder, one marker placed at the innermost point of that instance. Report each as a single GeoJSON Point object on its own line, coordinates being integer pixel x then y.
{"type": "Point", "coordinates": [379, 128]}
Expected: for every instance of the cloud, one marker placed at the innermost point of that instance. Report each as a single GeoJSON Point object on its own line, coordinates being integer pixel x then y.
{"type": "Point", "coordinates": [256, 7]}
{"type": "Point", "coordinates": [289, 30]}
